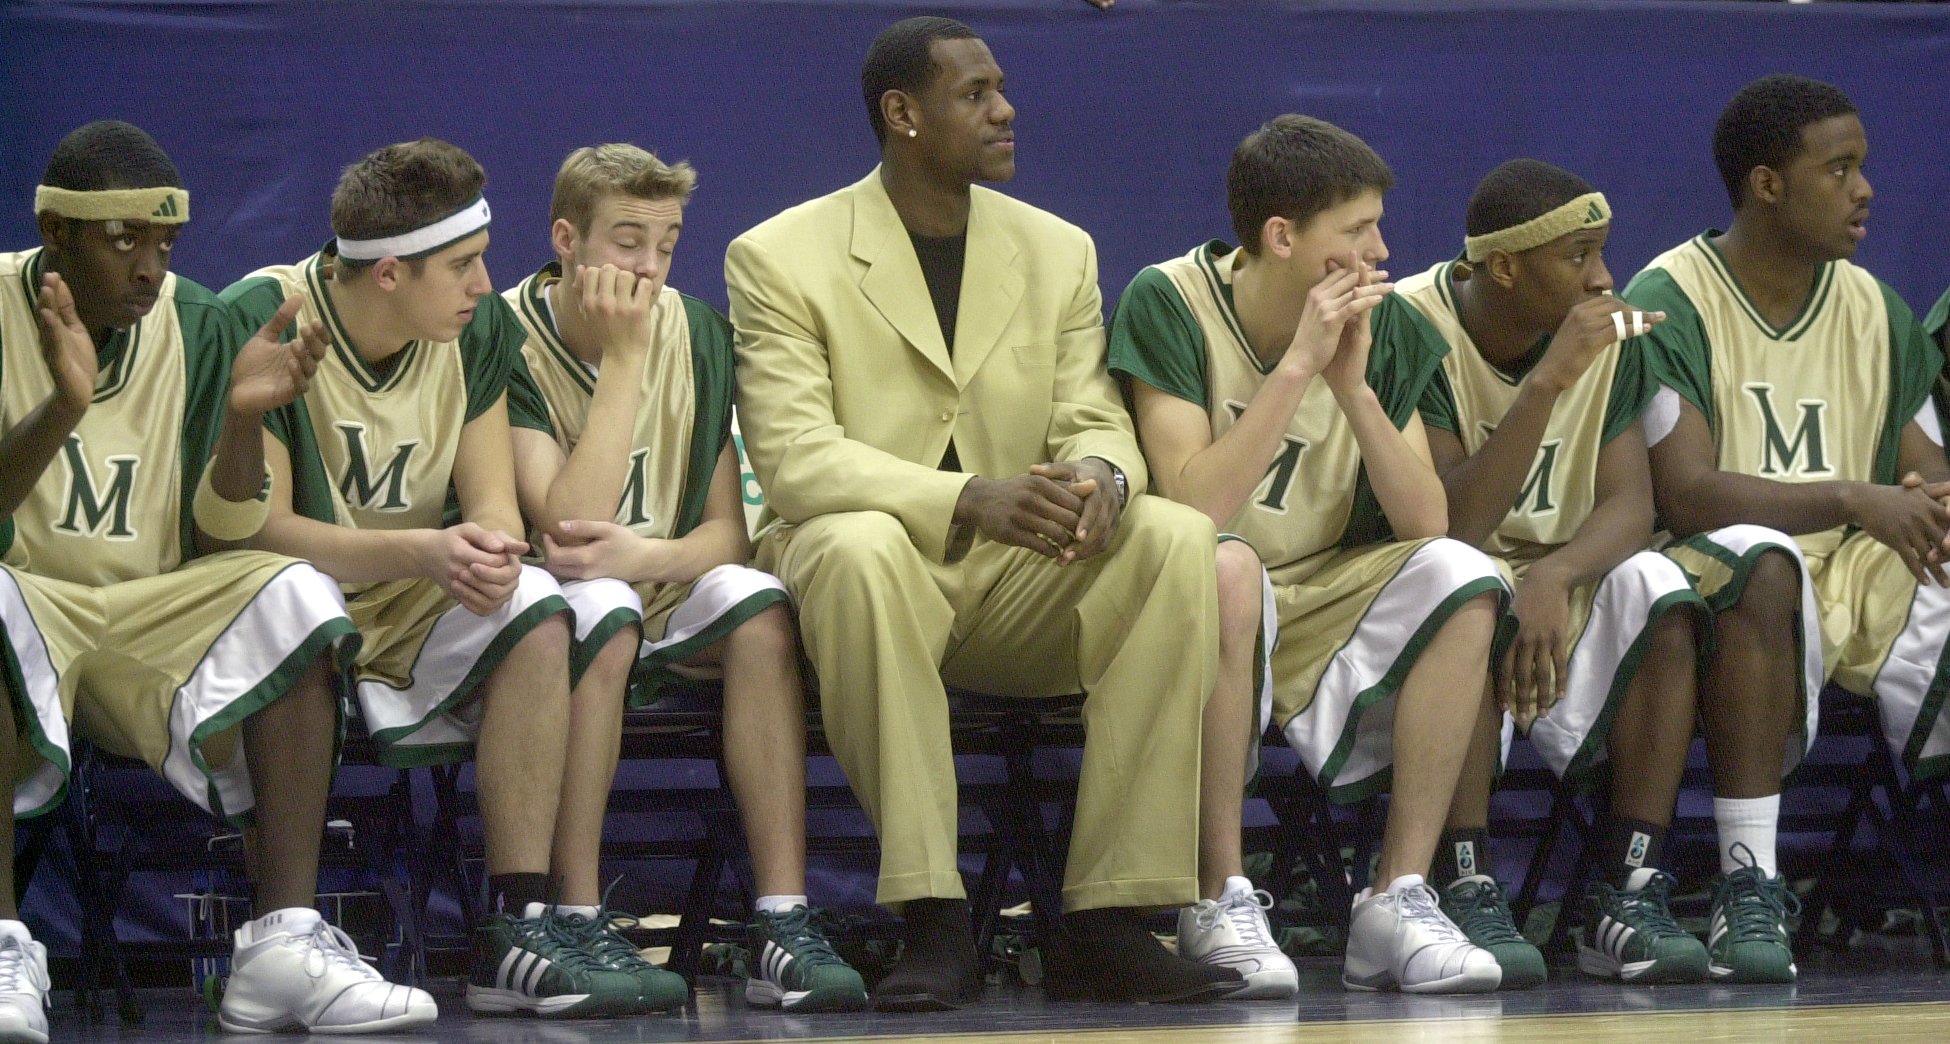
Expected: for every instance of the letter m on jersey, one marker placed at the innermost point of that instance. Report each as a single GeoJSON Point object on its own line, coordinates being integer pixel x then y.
{"type": "Point", "coordinates": [359, 486]}
{"type": "Point", "coordinates": [1805, 451]}
{"type": "Point", "coordinates": [635, 508]}
{"type": "Point", "coordinates": [1279, 474]}
{"type": "Point", "coordinates": [94, 509]}
{"type": "Point", "coordinates": [1538, 494]}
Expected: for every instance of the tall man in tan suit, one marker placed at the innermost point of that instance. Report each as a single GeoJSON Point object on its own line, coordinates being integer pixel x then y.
{"type": "Point", "coordinates": [956, 490]}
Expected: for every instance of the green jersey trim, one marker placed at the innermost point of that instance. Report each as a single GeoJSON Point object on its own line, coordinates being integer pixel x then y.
{"type": "Point", "coordinates": [1154, 338]}
{"type": "Point", "coordinates": [373, 383]}
{"type": "Point", "coordinates": [1677, 351]}
{"type": "Point", "coordinates": [1939, 318]}
{"type": "Point", "coordinates": [711, 377]}
{"type": "Point", "coordinates": [1914, 367]}
{"type": "Point", "coordinates": [212, 336]}
{"type": "Point", "coordinates": [1810, 306]}
{"type": "Point", "coordinates": [535, 309]}
{"type": "Point", "coordinates": [1221, 290]}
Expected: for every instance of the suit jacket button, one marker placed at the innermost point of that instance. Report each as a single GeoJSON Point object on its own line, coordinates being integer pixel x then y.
{"type": "Point", "coordinates": [946, 416]}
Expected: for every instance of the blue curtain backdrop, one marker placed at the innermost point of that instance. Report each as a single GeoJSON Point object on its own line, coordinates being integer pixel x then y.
{"type": "Point", "coordinates": [1127, 117]}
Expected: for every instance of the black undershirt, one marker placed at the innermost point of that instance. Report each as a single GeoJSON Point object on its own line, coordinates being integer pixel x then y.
{"type": "Point", "coordinates": [941, 260]}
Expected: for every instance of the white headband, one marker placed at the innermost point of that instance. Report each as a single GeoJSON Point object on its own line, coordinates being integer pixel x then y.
{"type": "Point", "coordinates": [420, 242]}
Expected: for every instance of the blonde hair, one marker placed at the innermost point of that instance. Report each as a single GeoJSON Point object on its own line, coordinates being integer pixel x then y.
{"type": "Point", "coordinates": [592, 172]}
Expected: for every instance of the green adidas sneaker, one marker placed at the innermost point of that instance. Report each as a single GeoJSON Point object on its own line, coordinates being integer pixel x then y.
{"type": "Point", "coordinates": [1746, 936]}
{"type": "Point", "coordinates": [657, 989]}
{"type": "Point", "coordinates": [1477, 905]}
{"type": "Point", "coordinates": [794, 968]}
{"type": "Point", "coordinates": [531, 965]}
{"type": "Point", "coordinates": [1630, 934]}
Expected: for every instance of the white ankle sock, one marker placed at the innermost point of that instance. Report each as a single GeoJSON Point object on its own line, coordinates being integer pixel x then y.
{"type": "Point", "coordinates": [1236, 886]}
{"type": "Point", "coordinates": [773, 904]}
{"type": "Point", "coordinates": [566, 908]}
{"type": "Point", "coordinates": [1751, 822]}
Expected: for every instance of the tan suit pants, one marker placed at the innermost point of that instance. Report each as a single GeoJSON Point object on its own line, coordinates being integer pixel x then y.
{"type": "Point", "coordinates": [1136, 628]}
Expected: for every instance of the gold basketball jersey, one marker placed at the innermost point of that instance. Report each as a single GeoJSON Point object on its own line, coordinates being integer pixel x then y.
{"type": "Point", "coordinates": [1176, 329]}
{"type": "Point", "coordinates": [1826, 397]}
{"type": "Point", "coordinates": [1472, 395]}
{"type": "Point", "coordinates": [113, 504]}
{"type": "Point", "coordinates": [373, 447]}
{"type": "Point", "coordinates": [685, 418]}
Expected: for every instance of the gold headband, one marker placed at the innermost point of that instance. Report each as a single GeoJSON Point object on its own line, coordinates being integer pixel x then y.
{"type": "Point", "coordinates": [1587, 211]}
{"type": "Point", "coordinates": [159, 206]}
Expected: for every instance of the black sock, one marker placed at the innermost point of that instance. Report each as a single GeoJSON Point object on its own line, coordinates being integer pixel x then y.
{"type": "Point", "coordinates": [511, 893]}
{"type": "Point", "coordinates": [1627, 845]}
{"type": "Point", "coordinates": [1463, 852]}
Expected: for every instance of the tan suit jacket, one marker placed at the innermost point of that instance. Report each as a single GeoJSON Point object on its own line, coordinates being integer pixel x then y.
{"type": "Point", "coordinates": [847, 397]}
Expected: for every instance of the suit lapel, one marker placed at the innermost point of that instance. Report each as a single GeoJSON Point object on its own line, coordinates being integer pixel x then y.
{"type": "Point", "coordinates": [990, 287]}
{"type": "Point", "coordinates": [893, 280]}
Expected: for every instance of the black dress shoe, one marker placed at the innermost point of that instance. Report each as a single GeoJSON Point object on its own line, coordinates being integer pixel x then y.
{"type": "Point", "coordinates": [937, 970]}
{"type": "Point", "coordinates": [1107, 955]}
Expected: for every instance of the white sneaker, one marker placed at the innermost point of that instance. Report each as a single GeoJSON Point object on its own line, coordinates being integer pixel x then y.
{"type": "Point", "coordinates": [293, 971]}
{"type": "Point", "coordinates": [23, 986]}
{"type": "Point", "coordinates": [1231, 932]}
{"type": "Point", "coordinates": [1399, 939]}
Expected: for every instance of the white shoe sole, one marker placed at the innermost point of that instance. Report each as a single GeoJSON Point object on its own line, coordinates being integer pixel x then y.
{"type": "Point", "coordinates": [760, 993]}
{"type": "Point", "coordinates": [22, 1035]}
{"type": "Point", "coordinates": [410, 1019]}
{"type": "Point", "coordinates": [491, 1001]}
{"type": "Point", "coordinates": [1719, 973]}
{"type": "Point", "coordinates": [1478, 981]}
{"type": "Point", "coordinates": [1605, 966]}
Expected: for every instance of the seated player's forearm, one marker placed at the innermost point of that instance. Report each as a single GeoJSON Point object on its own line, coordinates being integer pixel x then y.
{"type": "Point", "coordinates": [1219, 479]}
{"type": "Point", "coordinates": [350, 556]}
{"type": "Point", "coordinates": [237, 473]}
{"type": "Point", "coordinates": [27, 448]}
{"type": "Point", "coordinates": [501, 518]}
{"type": "Point", "coordinates": [1481, 489]}
{"type": "Point", "coordinates": [713, 543]}
{"type": "Point", "coordinates": [1406, 486]}
{"type": "Point", "coordinates": [591, 481]}
{"type": "Point", "coordinates": [1616, 529]}
{"type": "Point", "coordinates": [1725, 498]}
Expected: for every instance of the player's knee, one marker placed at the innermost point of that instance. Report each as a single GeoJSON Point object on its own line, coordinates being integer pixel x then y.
{"type": "Point", "coordinates": [1773, 590]}
{"type": "Point", "coordinates": [769, 636]}
{"type": "Point", "coordinates": [550, 638]}
{"type": "Point", "coordinates": [317, 684]}
{"type": "Point", "coordinates": [1241, 591]}
{"type": "Point", "coordinates": [612, 663]}
{"type": "Point", "coordinates": [1671, 638]}
{"type": "Point", "coordinates": [1474, 622]}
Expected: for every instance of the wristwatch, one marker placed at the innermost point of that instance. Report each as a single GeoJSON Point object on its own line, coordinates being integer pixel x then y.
{"type": "Point", "coordinates": [1123, 484]}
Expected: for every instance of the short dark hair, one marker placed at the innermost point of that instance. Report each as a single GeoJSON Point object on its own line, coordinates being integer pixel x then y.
{"type": "Point", "coordinates": [1295, 167]}
{"type": "Point", "coordinates": [902, 59]}
{"type": "Point", "coordinates": [1519, 191]}
{"type": "Point", "coordinates": [1761, 126]}
{"type": "Point", "coordinates": [403, 187]}
{"type": "Point", "coordinates": [109, 154]}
